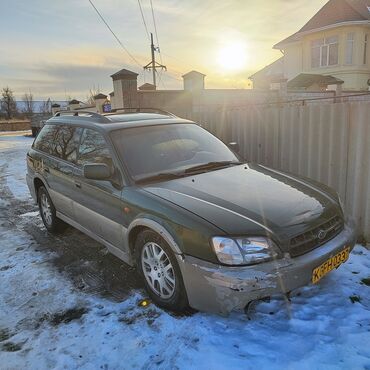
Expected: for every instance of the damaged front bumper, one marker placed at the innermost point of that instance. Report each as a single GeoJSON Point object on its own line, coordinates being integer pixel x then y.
{"type": "Point", "coordinates": [222, 289]}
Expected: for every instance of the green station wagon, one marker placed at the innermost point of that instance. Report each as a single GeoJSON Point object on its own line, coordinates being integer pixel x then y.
{"type": "Point", "coordinates": [204, 227]}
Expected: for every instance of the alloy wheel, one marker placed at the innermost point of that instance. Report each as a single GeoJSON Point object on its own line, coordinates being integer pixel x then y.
{"type": "Point", "coordinates": [46, 209]}
{"type": "Point", "coordinates": [158, 270]}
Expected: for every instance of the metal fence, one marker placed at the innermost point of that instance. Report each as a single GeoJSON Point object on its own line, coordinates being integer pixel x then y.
{"type": "Point", "coordinates": [329, 143]}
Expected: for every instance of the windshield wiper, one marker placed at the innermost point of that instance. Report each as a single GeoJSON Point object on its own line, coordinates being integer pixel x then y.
{"type": "Point", "coordinates": [160, 177]}
{"type": "Point", "coordinates": [175, 175]}
{"type": "Point", "coordinates": [211, 165]}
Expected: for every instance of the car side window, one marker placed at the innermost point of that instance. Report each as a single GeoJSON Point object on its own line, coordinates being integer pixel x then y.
{"type": "Point", "coordinates": [59, 141]}
{"type": "Point", "coordinates": [66, 143]}
{"type": "Point", "coordinates": [94, 149]}
{"type": "Point", "coordinates": [45, 139]}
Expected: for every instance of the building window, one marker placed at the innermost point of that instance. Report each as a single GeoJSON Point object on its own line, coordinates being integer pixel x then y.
{"type": "Point", "coordinates": [365, 48]}
{"type": "Point", "coordinates": [349, 48]}
{"type": "Point", "coordinates": [316, 52]}
{"type": "Point", "coordinates": [324, 52]}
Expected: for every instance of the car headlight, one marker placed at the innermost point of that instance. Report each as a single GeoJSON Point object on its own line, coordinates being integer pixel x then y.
{"type": "Point", "coordinates": [244, 251]}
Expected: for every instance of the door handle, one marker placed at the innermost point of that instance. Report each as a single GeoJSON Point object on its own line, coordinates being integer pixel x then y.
{"type": "Point", "coordinates": [46, 169]}
{"type": "Point", "coordinates": [78, 184]}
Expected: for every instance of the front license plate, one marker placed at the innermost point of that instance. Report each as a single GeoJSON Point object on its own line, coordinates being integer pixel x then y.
{"type": "Point", "coordinates": [330, 264]}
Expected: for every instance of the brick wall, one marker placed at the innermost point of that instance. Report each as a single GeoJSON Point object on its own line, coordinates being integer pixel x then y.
{"type": "Point", "coordinates": [15, 125]}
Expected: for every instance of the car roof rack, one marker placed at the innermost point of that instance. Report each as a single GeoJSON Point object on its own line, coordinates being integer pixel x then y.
{"type": "Point", "coordinates": [104, 118]}
{"type": "Point", "coordinates": [97, 117]}
{"type": "Point", "coordinates": [139, 110]}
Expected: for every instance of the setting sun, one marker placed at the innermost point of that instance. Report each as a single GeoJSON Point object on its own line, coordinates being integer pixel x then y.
{"type": "Point", "coordinates": [232, 56]}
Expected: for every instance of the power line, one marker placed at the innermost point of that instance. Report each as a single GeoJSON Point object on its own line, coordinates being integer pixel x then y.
{"type": "Point", "coordinates": [143, 18]}
{"type": "Point", "coordinates": [155, 30]}
{"type": "Point", "coordinates": [173, 77]}
{"type": "Point", "coordinates": [123, 46]}
{"type": "Point", "coordinates": [160, 80]}
{"type": "Point", "coordinates": [157, 39]}
{"type": "Point", "coordinates": [115, 36]}
{"type": "Point", "coordinates": [179, 60]}
{"type": "Point", "coordinates": [153, 65]}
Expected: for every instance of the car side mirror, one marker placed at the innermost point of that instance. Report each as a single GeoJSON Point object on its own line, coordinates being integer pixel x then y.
{"type": "Point", "coordinates": [234, 146]}
{"type": "Point", "coordinates": [96, 171]}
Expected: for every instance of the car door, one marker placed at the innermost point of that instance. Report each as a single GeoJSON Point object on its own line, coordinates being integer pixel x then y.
{"type": "Point", "coordinates": [98, 205]}
{"type": "Point", "coordinates": [59, 144]}
{"type": "Point", "coordinates": [61, 181]}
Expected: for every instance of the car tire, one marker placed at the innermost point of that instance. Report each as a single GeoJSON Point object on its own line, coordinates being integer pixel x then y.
{"type": "Point", "coordinates": [168, 291]}
{"type": "Point", "coordinates": [48, 214]}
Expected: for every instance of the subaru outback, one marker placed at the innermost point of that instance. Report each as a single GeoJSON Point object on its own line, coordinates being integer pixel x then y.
{"type": "Point", "coordinates": [204, 227]}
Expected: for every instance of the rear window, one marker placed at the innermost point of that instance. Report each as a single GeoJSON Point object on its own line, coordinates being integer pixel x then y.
{"type": "Point", "coordinates": [66, 143]}
{"type": "Point", "coordinates": [45, 139]}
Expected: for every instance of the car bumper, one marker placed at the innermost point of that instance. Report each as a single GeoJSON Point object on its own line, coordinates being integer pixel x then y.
{"type": "Point", "coordinates": [221, 289]}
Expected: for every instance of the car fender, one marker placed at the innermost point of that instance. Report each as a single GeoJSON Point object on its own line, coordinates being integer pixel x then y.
{"type": "Point", "coordinates": [154, 225]}
{"type": "Point", "coordinates": [38, 176]}
{"type": "Point", "coordinates": [30, 179]}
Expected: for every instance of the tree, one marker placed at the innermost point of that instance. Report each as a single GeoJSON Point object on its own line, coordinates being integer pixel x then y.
{"type": "Point", "coordinates": [8, 106]}
{"type": "Point", "coordinates": [90, 96]}
{"type": "Point", "coordinates": [29, 104]}
{"type": "Point", "coordinates": [46, 106]}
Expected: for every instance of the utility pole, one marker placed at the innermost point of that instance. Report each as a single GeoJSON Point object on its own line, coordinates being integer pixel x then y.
{"type": "Point", "coordinates": [152, 47]}
{"type": "Point", "coordinates": [153, 65]}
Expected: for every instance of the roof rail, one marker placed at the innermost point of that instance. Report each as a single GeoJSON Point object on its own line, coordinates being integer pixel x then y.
{"type": "Point", "coordinates": [97, 117]}
{"type": "Point", "coordinates": [140, 110]}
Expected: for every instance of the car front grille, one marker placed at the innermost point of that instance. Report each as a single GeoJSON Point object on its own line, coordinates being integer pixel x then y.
{"type": "Point", "coordinates": [313, 238]}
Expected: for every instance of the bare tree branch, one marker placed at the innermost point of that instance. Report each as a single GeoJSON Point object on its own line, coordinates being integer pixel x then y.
{"type": "Point", "coordinates": [29, 104]}
{"type": "Point", "coordinates": [7, 103]}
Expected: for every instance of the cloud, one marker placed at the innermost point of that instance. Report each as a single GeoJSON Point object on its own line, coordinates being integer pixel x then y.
{"type": "Point", "coordinates": [64, 46]}
{"type": "Point", "coordinates": [58, 80]}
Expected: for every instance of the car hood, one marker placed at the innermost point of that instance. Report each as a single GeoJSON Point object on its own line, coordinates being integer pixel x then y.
{"type": "Point", "coordinates": [247, 199]}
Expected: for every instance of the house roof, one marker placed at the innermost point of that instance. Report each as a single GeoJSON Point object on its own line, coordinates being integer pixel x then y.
{"type": "Point", "coordinates": [305, 80]}
{"type": "Point", "coordinates": [74, 101]}
{"type": "Point", "coordinates": [193, 74]}
{"type": "Point", "coordinates": [333, 12]}
{"type": "Point", "coordinates": [125, 73]}
{"type": "Point", "coordinates": [273, 70]}
{"type": "Point", "coordinates": [100, 96]}
{"type": "Point", "coordinates": [85, 107]}
{"type": "Point", "coordinates": [147, 86]}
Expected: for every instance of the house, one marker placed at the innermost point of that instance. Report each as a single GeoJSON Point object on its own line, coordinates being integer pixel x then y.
{"type": "Point", "coordinates": [74, 104]}
{"type": "Point", "coordinates": [269, 75]}
{"type": "Point", "coordinates": [193, 81]}
{"type": "Point", "coordinates": [334, 43]}
{"type": "Point", "coordinates": [147, 87]}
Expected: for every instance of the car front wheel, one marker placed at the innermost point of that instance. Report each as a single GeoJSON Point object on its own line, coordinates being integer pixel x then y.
{"type": "Point", "coordinates": [161, 272]}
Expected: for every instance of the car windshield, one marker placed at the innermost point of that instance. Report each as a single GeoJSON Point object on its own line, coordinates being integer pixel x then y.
{"type": "Point", "coordinates": [149, 151]}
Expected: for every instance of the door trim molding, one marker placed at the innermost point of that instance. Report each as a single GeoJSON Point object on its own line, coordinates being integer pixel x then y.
{"type": "Point", "coordinates": [122, 255]}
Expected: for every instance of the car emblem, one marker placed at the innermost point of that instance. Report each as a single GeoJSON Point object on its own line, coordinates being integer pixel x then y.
{"type": "Point", "coordinates": [321, 234]}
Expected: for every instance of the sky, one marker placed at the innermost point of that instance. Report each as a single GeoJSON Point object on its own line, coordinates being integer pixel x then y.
{"type": "Point", "coordinates": [61, 49]}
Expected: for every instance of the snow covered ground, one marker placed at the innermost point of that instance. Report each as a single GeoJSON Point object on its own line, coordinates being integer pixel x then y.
{"type": "Point", "coordinates": [46, 322]}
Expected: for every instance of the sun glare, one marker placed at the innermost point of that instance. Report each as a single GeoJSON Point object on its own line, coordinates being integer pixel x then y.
{"type": "Point", "coordinates": [232, 56]}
